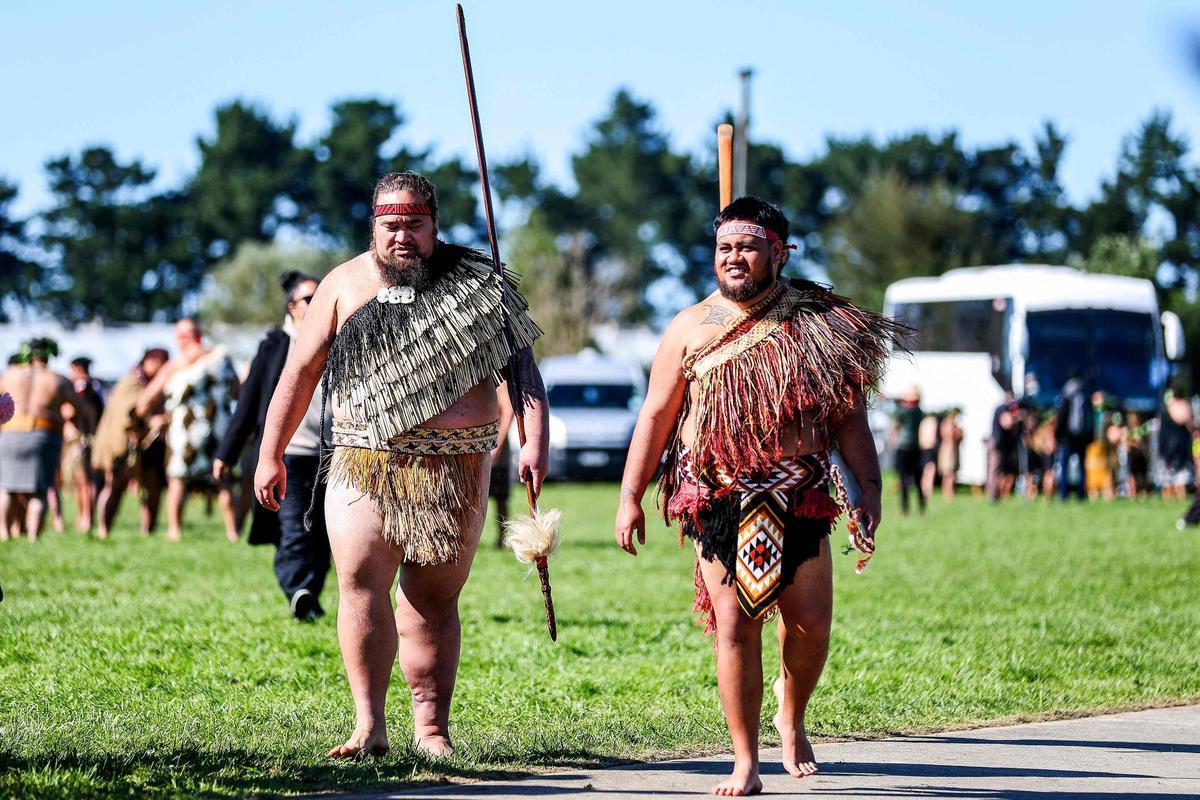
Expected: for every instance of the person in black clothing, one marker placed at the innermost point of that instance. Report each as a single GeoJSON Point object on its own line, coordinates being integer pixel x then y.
{"type": "Point", "coordinates": [1074, 430]}
{"type": "Point", "coordinates": [1004, 454]}
{"type": "Point", "coordinates": [302, 556]}
{"type": "Point", "coordinates": [905, 437]}
{"type": "Point", "coordinates": [1175, 427]}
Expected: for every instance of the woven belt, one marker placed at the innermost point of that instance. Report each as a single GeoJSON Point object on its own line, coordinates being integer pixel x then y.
{"type": "Point", "coordinates": [421, 441]}
{"type": "Point", "coordinates": [21, 423]}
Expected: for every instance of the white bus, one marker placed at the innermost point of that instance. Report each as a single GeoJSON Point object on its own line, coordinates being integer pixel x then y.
{"type": "Point", "coordinates": [983, 330]}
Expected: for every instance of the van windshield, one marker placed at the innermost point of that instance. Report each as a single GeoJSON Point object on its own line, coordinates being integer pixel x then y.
{"type": "Point", "coordinates": [590, 395]}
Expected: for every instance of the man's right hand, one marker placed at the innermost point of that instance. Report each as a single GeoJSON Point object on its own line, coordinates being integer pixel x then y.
{"type": "Point", "coordinates": [630, 519]}
{"type": "Point", "coordinates": [220, 470]}
{"type": "Point", "coordinates": [269, 478]}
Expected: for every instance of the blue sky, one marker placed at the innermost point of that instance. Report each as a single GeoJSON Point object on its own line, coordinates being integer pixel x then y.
{"type": "Point", "coordinates": [144, 77]}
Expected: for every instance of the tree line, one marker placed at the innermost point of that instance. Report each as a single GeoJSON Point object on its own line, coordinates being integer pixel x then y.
{"type": "Point", "coordinates": [629, 240]}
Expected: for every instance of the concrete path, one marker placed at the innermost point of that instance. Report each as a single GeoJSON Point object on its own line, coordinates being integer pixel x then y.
{"type": "Point", "coordinates": [1147, 753]}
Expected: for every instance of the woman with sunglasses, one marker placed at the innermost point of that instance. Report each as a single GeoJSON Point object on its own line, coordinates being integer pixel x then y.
{"type": "Point", "coordinates": [301, 557]}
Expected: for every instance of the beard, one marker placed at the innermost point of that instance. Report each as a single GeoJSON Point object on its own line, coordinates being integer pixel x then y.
{"type": "Point", "coordinates": [748, 290]}
{"type": "Point", "coordinates": [396, 270]}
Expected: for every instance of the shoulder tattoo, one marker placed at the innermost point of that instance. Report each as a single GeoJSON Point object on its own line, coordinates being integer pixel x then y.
{"type": "Point", "coordinates": [717, 315]}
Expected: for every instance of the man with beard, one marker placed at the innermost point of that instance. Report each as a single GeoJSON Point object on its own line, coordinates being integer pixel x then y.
{"type": "Point", "coordinates": [410, 336]}
{"type": "Point", "coordinates": [748, 392]}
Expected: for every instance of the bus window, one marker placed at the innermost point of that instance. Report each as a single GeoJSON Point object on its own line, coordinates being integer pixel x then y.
{"type": "Point", "coordinates": [957, 326]}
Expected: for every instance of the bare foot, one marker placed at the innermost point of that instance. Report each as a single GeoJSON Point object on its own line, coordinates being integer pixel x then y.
{"type": "Point", "coordinates": [174, 536]}
{"type": "Point", "coordinates": [744, 781]}
{"type": "Point", "coordinates": [434, 746]}
{"type": "Point", "coordinates": [231, 535]}
{"type": "Point", "coordinates": [798, 757]}
{"type": "Point", "coordinates": [362, 744]}
{"type": "Point", "coordinates": [102, 533]}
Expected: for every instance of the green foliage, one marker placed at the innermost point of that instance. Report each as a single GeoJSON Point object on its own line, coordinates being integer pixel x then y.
{"type": "Point", "coordinates": [896, 230]}
{"type": "Point", "coordinates": [17, 274]}
{"type": "Point", "coordinates": [631, 185]}
{"type": "Point", "coordinates": [117, 250]}
{"type": "Point", "coordinates": [349, 160]}
{"type": "Point", "coordinates": [252, 178]}
{"type": "Point", "coordinates": [635, 219]}
{"type": "Point", "coordinates": [458, 210]}
{"type": "Point", "coordinates": [554, 281]}
{"type": "Point", "coordinates": [139, 667]}
{"type": "Point", "coordinates": [245, 290]}
{"type": "Point", "coordinates": [1114, 254]}
{"type": "Point", "coordinates": [1155, 192]}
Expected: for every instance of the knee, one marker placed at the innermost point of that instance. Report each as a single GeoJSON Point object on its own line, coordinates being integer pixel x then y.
{"type": "Point", "coordinates": [735, 629]}
{"type": "Point", "coordinates": [360, 582]}
{"type": "Point", "coordinates": [810, 625]}
{"type": "Point", "coordinates": [428, 612]}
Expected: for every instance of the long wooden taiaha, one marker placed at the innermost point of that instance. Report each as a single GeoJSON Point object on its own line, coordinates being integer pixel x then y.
{"type": "Point", "coordinates": [513, 376]}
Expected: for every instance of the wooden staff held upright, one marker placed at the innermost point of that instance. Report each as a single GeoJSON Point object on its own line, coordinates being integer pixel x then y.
{"type": "Point", "coordinates": [725, 163]}
{"type": "Point", "coordinates": [534, 538]}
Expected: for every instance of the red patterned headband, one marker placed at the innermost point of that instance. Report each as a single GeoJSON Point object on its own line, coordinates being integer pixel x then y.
{"type": "Point", "coordinates": [403, 208]}
{"type": "Point", "coordinates": [750, 229]}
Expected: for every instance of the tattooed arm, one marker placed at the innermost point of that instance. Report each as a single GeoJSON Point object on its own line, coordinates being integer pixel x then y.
{"type": "Point", "coordinates": [535, 455]}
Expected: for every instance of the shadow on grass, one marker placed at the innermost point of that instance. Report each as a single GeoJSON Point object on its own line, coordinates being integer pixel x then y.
{"type": "Point", "coordinates": [245, 773]}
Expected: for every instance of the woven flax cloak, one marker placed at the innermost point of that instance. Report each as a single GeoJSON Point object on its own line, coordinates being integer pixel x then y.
{"type": "Point", "coordinates": [396, 365]}
{"type": "Point", "coordinates": [800, 357]}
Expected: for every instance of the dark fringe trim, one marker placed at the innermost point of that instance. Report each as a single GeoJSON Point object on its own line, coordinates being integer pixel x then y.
{"type": "Point", "coordinates": [712, 522]}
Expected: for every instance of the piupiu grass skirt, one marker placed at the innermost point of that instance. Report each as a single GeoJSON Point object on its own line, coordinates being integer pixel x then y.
{"type": "Point", "coordinates": [428, 486]}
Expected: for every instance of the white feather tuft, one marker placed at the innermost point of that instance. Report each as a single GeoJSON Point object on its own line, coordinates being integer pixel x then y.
{"type": "Point", "coordinates": [531, 538]}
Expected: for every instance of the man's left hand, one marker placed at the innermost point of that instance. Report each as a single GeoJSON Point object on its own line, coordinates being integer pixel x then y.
{"type": "Point", "coordinates": [532, 465]}
{"type": "Point", "coordinates": [871, 512]}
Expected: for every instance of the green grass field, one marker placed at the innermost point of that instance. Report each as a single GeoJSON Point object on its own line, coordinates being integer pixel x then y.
{"type": "Point", "coordinates": [137, 667]}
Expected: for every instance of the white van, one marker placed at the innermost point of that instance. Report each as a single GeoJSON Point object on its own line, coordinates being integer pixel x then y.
{"type": "Point", "coordinates": [594, 403]}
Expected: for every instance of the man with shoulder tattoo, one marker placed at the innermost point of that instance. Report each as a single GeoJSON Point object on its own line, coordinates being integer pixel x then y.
{"type": "Point", "coordinates": [749, 391]}
{"type": "Point", "coordinates": [411, 336]}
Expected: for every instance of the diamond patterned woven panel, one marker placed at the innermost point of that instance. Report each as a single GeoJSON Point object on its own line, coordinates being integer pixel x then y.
{"type": "Point", "coordinates": [760, 555]}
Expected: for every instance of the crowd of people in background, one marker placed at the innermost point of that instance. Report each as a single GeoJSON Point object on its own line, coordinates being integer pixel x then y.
{"type": "Point", "coordinates": [179, 425]}
{"type": "Point", "coordinates": [182, 426]}
{"type": "Point", "coordinates": [188, 425]}
{"type": "Point", "coordinates": [1087, 445]}
{"type": "Point", "coordinates": [70, 436]}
